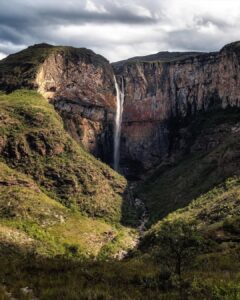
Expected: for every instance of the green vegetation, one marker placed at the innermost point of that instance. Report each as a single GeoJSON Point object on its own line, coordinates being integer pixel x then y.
{"type": "Point", "coordinates": [65, 279]}
{"type": "Point", "coordinates": [178, 243]}
{"type": "Point", "coordinates": [212, 269]}
{"type": "Point", "coordinates": [61, 209]}
{"type": "Point", "coordinates": [212, 156]}
{"type": "Point", "coordinates": [33, 141]}
{"type": "Point", "coordinates": [216, 212]}
{"type": "Point", "coordinates": [53, 193]}
{"type": "Point", "coordinates": [29, 219]}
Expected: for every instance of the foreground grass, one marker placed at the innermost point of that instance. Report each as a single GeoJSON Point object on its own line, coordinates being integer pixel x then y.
{"type": "Point", "coordinates": [211, 276]}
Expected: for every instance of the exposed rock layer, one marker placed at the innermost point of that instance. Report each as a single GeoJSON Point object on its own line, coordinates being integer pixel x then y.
{"type": "Point", "coordinates": [78, 82]}
{"type": "Point", "coordinates": [82, 91]}
{"type": "Point", "coordinates": [159, 93]}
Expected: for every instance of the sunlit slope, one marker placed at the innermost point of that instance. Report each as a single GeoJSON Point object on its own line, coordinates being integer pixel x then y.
{"type": "Point", "coordinates": [33, 141]}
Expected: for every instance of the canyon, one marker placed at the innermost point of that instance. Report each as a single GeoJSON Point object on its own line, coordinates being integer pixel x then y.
{"type": "Point", "coordinates": [169, 123]}
{"type": "Point", "coordinates": [158, 91]}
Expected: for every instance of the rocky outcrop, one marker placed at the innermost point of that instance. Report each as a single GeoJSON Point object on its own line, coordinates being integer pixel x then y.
{"type": "Point", "coordinates": [80, 85]}
{"type": "Point", "coordinates": [35, 143]}
{"type": "Point", "coordinates": [161, 90]}
{"type": "Point", "coordinates": [159, 93]}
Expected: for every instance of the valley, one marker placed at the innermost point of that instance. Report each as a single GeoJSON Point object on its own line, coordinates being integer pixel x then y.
{"type": "Point", "coordinates": [111, 172]}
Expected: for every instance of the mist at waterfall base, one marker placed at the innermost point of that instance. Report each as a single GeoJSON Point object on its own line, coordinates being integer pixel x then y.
{"type": "Point", "coordinates": [118, 122]}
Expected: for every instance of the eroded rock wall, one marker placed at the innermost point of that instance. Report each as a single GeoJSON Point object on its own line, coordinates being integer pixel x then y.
{"type": "Point", "coordinates": [159, 93]}
{"type": "Point", "coordinates": [80, 85]}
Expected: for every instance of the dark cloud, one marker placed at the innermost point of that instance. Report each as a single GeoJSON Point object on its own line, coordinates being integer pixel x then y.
{"type": "Point", "coordinates": [10, 34]}
{"type": "Point", "coordinates": [43, 15]}
{"type": "Point", "coordinates": [24, 22]}
{"type": "Point", "coordinates": [190, 40]}
{"type": "Point", "coordinates": [60, 16]}
{"type": "Point", "coordinates": [117, 29]}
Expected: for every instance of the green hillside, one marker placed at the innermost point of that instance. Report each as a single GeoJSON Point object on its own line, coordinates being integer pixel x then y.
{"type": "Point", "coordinates": [35, 223]}
{"type": "Point", "coordinates": [33, 141]}
{"type": "Point", "coordinates": [212, 274]}
{"type": "Point", "coordinates": [212, 155]}
{"type": "Point", "coordinates": [216, 213]}
{"type": "Point", "coordinates": [62, 211]}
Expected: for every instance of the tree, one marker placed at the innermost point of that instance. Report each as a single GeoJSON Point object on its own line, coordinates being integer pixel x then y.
{"type": "Point", "coordinates": [178, 244]}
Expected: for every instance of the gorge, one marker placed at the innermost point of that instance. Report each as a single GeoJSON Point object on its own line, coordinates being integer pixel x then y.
{"type": "Point", "coordinates": [168, 88]}
{"type": "Point", "coordinates": [101, 161]}
{"type": "Point", "coordinates": [157, 91]}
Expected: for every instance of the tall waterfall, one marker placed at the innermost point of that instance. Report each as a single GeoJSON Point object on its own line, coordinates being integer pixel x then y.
{"type": "Point", "coordinates": [118, 121]}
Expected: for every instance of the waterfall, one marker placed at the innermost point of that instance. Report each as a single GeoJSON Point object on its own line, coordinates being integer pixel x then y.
{"type": "Point", "coordinates": [118, 121]}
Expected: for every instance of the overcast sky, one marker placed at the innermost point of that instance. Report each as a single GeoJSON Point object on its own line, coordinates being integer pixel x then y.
{"type": "Point", "coordinates": [122, 28]}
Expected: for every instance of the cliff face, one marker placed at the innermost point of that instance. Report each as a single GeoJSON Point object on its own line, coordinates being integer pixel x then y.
{"type": "Point", "coordinates": [80, 85]}
{"type": "Point", "coordinates": [159, 94]}
{"type": "Point", "coordinates": [162, 92]}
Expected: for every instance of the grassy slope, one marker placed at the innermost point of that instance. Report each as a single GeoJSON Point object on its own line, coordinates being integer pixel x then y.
{"type": "Point", "coordinates": [33, 141]}
{"type": "Point", "coordinates": [175, 186]}
{"type": "Point", "coordinates": [214, 275]}
{"type": "Point", "coordinates": [215, 272]}
{"type": "Point", "coordinates": [217, 212]}
{"type": "Point", "coordinates": [33, 222]}
{"type": "Point", "coordinates": [51, 189]}
{"type": "Point", "coordinates": [64, 279]}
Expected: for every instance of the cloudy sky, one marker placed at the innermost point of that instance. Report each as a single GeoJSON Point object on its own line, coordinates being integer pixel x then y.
{"type": "Point", "coordinates": [119, 29]}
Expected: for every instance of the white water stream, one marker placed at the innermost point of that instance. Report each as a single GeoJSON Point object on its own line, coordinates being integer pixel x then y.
{"type": "Point", "coordinates": [118, 121]}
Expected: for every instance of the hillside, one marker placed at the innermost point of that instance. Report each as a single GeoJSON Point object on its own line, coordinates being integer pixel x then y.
{"type": "Point", "coordinates": [217, 213]}
{"type": "Point", "coordinates": [32, 222]}
{"type": "Point", "coordinates": [63, 212]}
{"type": "Point", "coordinates": [34, 142]}
{"type": "Point", "coordinates": [207, 157]}
{"type": "Point", "coordinates": [51, 188]}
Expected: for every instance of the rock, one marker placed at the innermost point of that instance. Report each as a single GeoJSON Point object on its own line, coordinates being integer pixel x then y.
{"type": "Point", "coordinates": [157, 93]}
{"type": "Point", "coordinates": [28, 293]}
{"type": "Point", "coordinates": [80, 85]}
{"type": "Point", "coordinates": [19, 182]}
{"type": "Point", "coordinates": [120, 255]}
{"type": "Point", "coordinates": [160, 91]}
